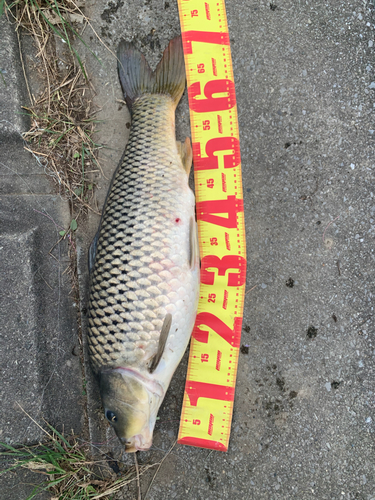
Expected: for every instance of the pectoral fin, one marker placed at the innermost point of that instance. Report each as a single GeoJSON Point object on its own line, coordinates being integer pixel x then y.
{"type": "Point", "coordinates": [162, 341]}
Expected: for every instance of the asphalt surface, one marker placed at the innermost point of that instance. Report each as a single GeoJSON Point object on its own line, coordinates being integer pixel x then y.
{"type": "Point", "coordinates": [303, 423]}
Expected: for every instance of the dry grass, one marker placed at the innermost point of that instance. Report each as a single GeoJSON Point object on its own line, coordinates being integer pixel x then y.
{"type": "Point", "coordinates": [62, 116]}
{"type": "Point", "coordinates": [69, 471]}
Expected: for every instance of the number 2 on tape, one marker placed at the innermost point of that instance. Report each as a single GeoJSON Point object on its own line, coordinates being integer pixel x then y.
{"type": "Point", "coordinates": [209, 392]}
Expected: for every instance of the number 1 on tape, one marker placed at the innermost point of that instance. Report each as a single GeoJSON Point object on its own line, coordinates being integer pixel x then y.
{"type": "Point", "coordinates": [209, 392]}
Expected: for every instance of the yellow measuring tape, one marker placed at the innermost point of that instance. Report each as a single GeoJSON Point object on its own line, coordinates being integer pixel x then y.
{"type": "Point", "coordinates": [209, 392]}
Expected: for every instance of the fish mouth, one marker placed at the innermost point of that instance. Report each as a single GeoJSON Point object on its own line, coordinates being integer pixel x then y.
{"type": "Point", "coordinates": [136, 443]}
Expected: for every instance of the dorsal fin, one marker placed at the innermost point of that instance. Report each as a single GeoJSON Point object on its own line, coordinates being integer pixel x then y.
{"type": "Point", "coordinates": [162, 341]}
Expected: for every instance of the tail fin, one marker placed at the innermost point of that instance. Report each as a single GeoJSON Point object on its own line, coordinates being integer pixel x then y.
{"type": "Point", "coordinates": [137, 78]}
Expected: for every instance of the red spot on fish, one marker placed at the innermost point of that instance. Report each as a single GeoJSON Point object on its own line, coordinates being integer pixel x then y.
{"type": "Point", "coordinates": [178, 220]}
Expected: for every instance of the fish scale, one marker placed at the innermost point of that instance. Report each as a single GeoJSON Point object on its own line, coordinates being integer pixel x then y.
{"type": "Point", "coordinates": [141, 270]}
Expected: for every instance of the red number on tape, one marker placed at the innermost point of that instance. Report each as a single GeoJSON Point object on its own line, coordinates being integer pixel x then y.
{"type": "Point", "coordinates": [231, 206]}
{"type": "Point", "coordinates": [196, 390]}
{"type": "Point", "coordinates": [212, 103]}
{"type": "Point", "coordinates": [203, 36]}
{"type": "Point", "coordinates": [232, 336]}
{"type": "Point", "coordinates": [222, 265]}
{"type": "Point", "coordinates": [231, 159]}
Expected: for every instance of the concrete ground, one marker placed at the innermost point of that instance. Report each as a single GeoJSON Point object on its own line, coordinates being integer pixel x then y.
{"type": "Point", "coordinates": [40, 367]}
{"type": "Point", "coordinates": [303, 423]}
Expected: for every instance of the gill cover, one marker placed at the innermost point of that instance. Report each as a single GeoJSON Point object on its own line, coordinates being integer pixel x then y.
{"type": "Point", "coordinates": [130, 406]}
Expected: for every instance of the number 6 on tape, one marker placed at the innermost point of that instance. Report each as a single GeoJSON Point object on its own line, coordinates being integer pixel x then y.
{"type": "Point", "coordinates": [209, 392]}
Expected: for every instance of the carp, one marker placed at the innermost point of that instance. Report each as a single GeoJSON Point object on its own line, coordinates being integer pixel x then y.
{"type": "Point", "coordinates": [144, 260]}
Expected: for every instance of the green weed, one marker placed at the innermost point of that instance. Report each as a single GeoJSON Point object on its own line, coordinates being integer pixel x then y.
{"type": "Point", "coordinates": [70, 473]}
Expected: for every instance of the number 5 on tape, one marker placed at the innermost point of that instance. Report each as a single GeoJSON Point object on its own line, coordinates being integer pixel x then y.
{"type": "Point", "coordinates": [209, 392]}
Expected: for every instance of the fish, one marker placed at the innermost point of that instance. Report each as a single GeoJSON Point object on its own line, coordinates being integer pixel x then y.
{"type": "Point", "coordinates": [144, 260]}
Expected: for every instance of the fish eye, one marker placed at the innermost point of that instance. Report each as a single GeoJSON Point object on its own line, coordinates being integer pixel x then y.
{"type": "Point", "coordinates": [111, 417]}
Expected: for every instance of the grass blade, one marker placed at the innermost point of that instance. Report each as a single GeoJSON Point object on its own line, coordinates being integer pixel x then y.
{"type": "Point", "coordinates": [59, 435]}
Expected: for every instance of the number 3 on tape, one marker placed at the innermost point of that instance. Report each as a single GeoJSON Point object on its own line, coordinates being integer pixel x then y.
{"type": "Point", "coordinates": [209, 392]}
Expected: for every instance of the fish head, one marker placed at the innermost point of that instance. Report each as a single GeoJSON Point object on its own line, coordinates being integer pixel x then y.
{"type": "Point", "coordinates": [131, 405]}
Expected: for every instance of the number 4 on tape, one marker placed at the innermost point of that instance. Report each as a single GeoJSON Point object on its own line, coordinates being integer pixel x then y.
{"type": "Point", "coordinates": [209, 392]}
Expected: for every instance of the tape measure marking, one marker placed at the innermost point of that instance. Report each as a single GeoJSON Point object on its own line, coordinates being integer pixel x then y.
{"type": "Point", "coordinates": [209, 392]}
